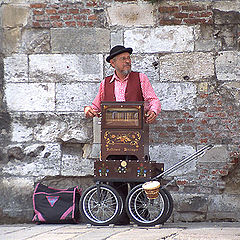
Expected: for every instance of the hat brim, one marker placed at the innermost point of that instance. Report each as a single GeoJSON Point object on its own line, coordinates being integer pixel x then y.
{"type": "Point", "coordinates": [129, 50]}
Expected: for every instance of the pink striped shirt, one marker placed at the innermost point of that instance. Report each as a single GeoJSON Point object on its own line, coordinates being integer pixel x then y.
{"type": "Point", "coordinates": [151, 100]}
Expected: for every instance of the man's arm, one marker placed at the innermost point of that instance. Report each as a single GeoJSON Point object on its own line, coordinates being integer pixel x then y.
{"type": "Point", "coordinates": [153, 106]}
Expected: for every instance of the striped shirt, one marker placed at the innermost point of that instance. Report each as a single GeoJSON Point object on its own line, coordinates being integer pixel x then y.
{"type": "Point", "coordinates": [151, 100]}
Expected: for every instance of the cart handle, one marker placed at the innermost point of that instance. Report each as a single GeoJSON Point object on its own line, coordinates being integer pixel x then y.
{"type": "Point", "coordinates": [184, 161]}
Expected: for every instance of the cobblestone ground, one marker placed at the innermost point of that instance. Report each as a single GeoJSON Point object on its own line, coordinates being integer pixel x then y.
{"type": "Point", "coordinates": [176, 231]}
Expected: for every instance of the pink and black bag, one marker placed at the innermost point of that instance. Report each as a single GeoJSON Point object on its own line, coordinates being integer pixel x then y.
{"type": "Point", "coordinates": [56, 205]}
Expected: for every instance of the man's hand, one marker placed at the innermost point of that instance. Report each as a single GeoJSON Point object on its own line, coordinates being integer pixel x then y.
{"type": "Point", "coordinates": [89, 112]}
{"type": "Point", "coordinates": [150, 116]}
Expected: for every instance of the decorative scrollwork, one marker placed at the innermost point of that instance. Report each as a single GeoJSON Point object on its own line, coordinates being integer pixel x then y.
{"type": "Point", "coordinates": [131, 138]}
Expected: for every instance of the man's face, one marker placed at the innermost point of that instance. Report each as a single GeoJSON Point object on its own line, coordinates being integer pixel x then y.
{"type": "Point", "coordinates": [122, 63]}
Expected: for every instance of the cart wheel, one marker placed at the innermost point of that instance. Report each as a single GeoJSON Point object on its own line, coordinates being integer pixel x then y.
{"type": "Point", "coordinates": [101, 205]}
{"type": "Point", "coordinates": [144, 211]}
{"type": "Point", "coordinates": [170, 204]}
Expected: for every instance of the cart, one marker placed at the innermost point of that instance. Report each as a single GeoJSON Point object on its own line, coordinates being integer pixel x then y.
{"type": "Point", "coordinates": [118, 196]}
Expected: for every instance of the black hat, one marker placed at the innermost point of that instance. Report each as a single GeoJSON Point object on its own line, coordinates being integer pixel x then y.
{"type": "Point", "coordinates": [118, 50]}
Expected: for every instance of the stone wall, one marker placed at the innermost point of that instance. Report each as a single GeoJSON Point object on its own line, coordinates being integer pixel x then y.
{"type": "Point", "coordinates": [52, 59]}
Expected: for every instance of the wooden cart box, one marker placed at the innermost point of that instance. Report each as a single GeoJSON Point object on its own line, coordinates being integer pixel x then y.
{"type": "Point", "coordinates": [126, 170]}
{"type": "Point", "coordinates": [124, 131]}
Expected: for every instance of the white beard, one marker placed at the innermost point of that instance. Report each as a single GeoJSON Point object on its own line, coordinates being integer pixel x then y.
{"type": "Point", "coordinates": [124, 72]}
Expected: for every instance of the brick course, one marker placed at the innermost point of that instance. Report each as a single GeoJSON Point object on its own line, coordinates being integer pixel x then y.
{"type": "Point", "coordinates": [214, 120]}
{"type": "Point", "coordinates": [181, 13]}
{"type": "Point", "coordinates": [65, 15]}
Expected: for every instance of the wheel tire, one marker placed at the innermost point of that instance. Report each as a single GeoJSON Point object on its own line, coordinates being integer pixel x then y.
{"type": "Point", "coordinates": [170, 204]}
{"type": "Point", "coordinates": [146, 212]}
{"type": "Point", "coordinates": [103, 212]}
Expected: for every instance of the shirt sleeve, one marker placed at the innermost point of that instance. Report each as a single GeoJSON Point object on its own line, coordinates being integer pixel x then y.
{"type": "Point", "coordinates": [96, 104]}
{"type": "Point", "coordinates": [151, 99]}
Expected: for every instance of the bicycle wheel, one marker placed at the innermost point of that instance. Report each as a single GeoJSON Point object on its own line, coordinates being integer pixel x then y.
{"type": "Point", "coordinates": [170, 204]}
{"type": "Point", "coordinates": [144, 211]}
{"type": "Point", "coordinates": [101, 205]}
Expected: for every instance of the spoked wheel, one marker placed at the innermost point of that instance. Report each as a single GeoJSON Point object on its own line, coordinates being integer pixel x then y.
{"type": "Point", "coordinates": [144, 211]}
{"type": "Point", "coordinates": [170, 204]}
{"type": "Point", "coordinates": [101, 205]}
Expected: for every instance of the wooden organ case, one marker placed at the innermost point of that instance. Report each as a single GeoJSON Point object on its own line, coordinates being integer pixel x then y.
{"type": "Point", "coordinates": [125, 144]}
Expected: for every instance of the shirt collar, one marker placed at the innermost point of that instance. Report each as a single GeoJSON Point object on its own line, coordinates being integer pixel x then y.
{"type": "Point", "coordinates": [115, 77]}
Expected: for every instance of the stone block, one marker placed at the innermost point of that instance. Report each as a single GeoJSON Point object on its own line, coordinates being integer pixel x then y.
{"type": "Point", "coordinates": [86, 150]}
{"type": "Point", "coordinates": [50, 1]}
{"type": "Point", "coordinates": [128, 15]}
{"type": "Point", "coordinates": [72, 162]}
{"type": "Point", "coordinates": [226, 6]}
{"type": "Point", "coordinates": [177, 67]}
{"type": "Point", "coordinates": [64, 182]}
{"type": "Point", "coordinates": [223, 207]}
{"type": "Point", "coordinates": [5, 127]}
{"type": "Point", "coordinates": [215, 155]}
{"type": "Point", "coordinates": [14, 16]}
{"type": "Point", "coordinates": [96, 130]}
{"type": "Point", "coordinates": [191, 203]}
{"type": "Point", "coordinates": [227, 34]}
{"type": "Point", "coordinates": [65, 68]}
{"type": "Point", "coordinates": [10, 40]}
{"type": "Point", "coordinates": [226, 17]}
{"type": "Point", "coordinates": [175, 96]}
{"type": "Point", "coordinates": [30, 96]}
{"type": "Point", "coordinates": [33, 160]}
{"type": "Point", "coordinates": [1, 37]}
{"type": "Point", "coordinates": [16, 68]}
{"type": "Point", "coordinates": [20, 1]}
{"type": "Point", "coordinates": [63, 127]}
{"type": "Point", "coordinates": [16, 199]}
{"type": "Point", "coordinates": [35, 41]}
{"type": "Point", "coordinates": [206, 38]}
{"type": "Point", "coordinates": [222, 216]}
{"type": "Point", "coordinates": [227, 66]}
{"type": "Point", "coordinates": [147, 64]}
{"type": "Point", "coordinates": [95, 151]}
{"type": "Point", "coordinates": [207, 45]}
{"type": "Point", "coordinates": [117, 37]}
{"type": "Point", "coordinates": [21, 133]}
{"type": "Point", "coordinates": [170, 155]}
{"type": "Point", "coordinates": [70, 40]}
{"type": "Point", "coordinates": [108, 69]}
{"type": "Point", "coordinates": [74, 166]}
{"type": "Point", "coordinates": [160, 39]}
{"type": "Point", "coordinates": [74, 96]}
{"type": "Point", "coordinates": [189, 217]}
{"type": "Point", "coordinates": [25, 127]}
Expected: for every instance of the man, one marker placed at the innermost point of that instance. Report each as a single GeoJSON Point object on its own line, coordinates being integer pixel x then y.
{"type": "Point", "coordinates": [125, 85]}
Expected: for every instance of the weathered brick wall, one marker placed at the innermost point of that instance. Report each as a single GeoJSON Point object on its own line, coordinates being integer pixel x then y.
{"type": "Point", "coordinates": [185, 13]}
{"type": "Point", "coordinates": [83, 14]}
{"type": "Point", "coordinates": [52, 59]}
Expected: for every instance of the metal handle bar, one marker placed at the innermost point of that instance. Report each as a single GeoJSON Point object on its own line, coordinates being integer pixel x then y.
{"type": "Point", "coordinates": [184, 161]}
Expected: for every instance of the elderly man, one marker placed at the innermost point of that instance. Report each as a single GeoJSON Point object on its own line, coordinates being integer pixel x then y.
{"type": "Point", "coordinates": [125, 85]}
